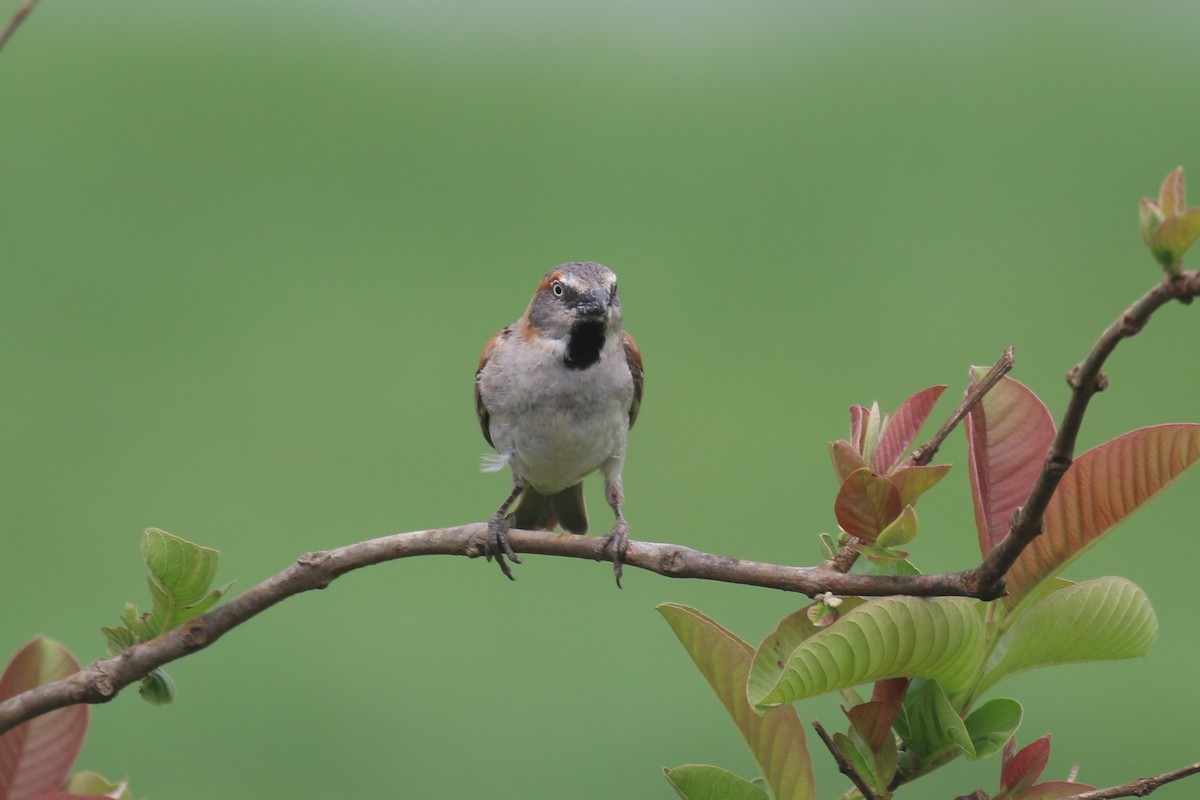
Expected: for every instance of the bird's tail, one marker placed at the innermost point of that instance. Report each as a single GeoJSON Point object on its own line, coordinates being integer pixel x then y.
{"type": "Point", "coordinates": [539, 512]}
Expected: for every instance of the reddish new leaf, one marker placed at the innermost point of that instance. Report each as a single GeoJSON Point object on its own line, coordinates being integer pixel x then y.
{"type": "Point", "coordinates": [36, 756]}
{"type": "Point", "coordinates": [1104, 486]}
{"type": "Point", "coordinates": [902, 427]}
{"type": "Point", "coordinates": [1008, 435]}
{"type": "Point", "coordinates": [873, 721]}
{"type": "Point", "coordinates": [845, 459]}
{"type": "Point", "coordinates": [859, 416]}
{"type": "Point", "coordinates": [866, 503]}
{"type": "Point", "coordinates": [1020, 771]}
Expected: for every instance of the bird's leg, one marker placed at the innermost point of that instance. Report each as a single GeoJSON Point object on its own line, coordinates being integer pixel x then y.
{"type": "Point", "coordinates": [497, 540]}
{"type": "Point", "coordinates": [618, 538]}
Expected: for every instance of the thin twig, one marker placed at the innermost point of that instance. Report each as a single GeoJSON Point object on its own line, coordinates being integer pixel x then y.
{"type": "Point", "coordinates": [844, 765]}
{"type": "Point", "coordinates": [1140, 787]}
{"type": "Point", "coordinates": [925, 453]}
{"type": "Point", "coordinates": [16, 21]}
{"type": "Point", "coordinates": [1085, 380]}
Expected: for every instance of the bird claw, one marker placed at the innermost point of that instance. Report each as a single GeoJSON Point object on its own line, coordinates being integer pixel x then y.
{"type": "Point", "coordinates": [616, 540]}
{"type": "Point", "coordinates": [496, 544]}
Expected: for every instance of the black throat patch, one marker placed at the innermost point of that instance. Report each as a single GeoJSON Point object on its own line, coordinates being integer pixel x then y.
{"type": "Point", "coordinates": [583, 348]}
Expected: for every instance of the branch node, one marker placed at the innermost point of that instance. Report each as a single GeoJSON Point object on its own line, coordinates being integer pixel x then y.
{"type": "Point", "coordinates": [195, 636]}
{"type": "Point", "coordinates": [101, 685]}
{"type": "Point", "coordinates": [1074, 380]}
{"type": "Point", "coordinates": [319, 563]}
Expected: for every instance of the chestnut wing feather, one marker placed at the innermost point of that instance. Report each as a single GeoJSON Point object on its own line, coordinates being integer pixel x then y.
{"type": "Point", "coordinates": [481, 411]}
{"type": "Point", "coordinates": [633, 356]}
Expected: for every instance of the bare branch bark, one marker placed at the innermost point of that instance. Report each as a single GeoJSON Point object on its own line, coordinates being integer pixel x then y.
{"type": "Point", "coordinates": [1140, 787]}
{"type": "Point", "coordinates": [925, 453]}
{"type": "Point", "coordinates": [16, 21]}
{"type": "Point", "coordinates": [104, 679]}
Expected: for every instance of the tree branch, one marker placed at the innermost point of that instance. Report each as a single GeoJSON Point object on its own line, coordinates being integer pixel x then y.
{"type": "Point", "coordinates": [1140, 787]}
{"type": "Point", "coordinates": [104, 679]}
{"type": "Point", "coordinates": [925, 453]}
{"type": "Point", "coordinates": [843, 765]}
{"type": "Point", "coordinates": [16, 21]}
{"type": "Point", "coordinates": [1085, 380]}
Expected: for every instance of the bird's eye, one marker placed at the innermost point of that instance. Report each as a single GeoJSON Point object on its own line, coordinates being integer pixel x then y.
{"type": "Point", "coordinates": [557, 288]}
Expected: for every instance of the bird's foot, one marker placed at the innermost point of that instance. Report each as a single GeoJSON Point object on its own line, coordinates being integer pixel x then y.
{"type": "Point", "coordinates": [616, 541]}
{"type": "Point", "coordinates": [496, 544]}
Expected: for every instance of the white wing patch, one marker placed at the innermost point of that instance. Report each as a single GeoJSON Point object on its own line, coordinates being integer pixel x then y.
{"type": "Point", "coordinates": [494, 462]}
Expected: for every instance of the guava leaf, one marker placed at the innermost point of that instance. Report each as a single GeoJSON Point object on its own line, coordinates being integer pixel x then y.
{"type": "Point", "coordinates": [1102, 487]}
{"type": "Point", "coordinates": [90, 784]}
{"type": "Point", "coordinates": [1097, 620]}
{"type": "Point", "coordinates": [993, 724]}
{"type": "Point", "coordinates": [36, 756]}
{"type": "Point", "coordinates": [900, 531]}
{"type": "Point", "coordinates": [912, 482]}
{"type": "Point", "coordinates": [704, 782]}
{"type": "Point", "coordinates": [1021, 769]}
{"type": "Point", "coordinates": [938, 638]}
{"type": "Point", "coordinates": [930, 726]}
{"type": "Point", "coordinates": [1172, 196]}
{"type": "Point", "coordinates": [902, 428]}
{"type": "Point", "coordinates": [866, 504]}
{"type": "Point", "coordinates": [1008, 434]}
{"type": "Point", "coordinates": [776, 738]}
{"type": "Point", "coordinates": [845, 459]}
{"type": "Point", "coordinates": [770, 658]}
{"type": "Point", "coordinates": [181, 577]}
{"type": "Point", "coordinates": [1176, 234]}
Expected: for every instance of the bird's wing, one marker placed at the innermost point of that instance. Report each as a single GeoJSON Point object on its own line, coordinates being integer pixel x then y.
{"type": "Point", "coordinates": [633, 356]}
{"type": "Point", "coordinates": [481, 410]}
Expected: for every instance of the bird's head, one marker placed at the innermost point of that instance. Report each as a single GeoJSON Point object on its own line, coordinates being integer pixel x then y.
{"type": "Point", "coordinates": [573, 296]}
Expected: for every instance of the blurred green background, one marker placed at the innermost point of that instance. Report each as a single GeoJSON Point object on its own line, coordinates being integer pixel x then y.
{"type": "Point", "coordinates": [250, 254]}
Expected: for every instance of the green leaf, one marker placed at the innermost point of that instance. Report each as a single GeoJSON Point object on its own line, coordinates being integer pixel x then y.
{"type": "Point", "coordinates": [1097, 620]}
{"type": "Point", "coordinates": [157, 688]}
{"type": "Point", "coordinates": [704, 782]}
{"type": "Point", "coordinates": [36, 756]}
{"type": "Point", "coordinates": [1103, 487]}
{"type": "Point", "coordinates": [900, 531]}
{"type": "Point", "coordinates": [937, 638]}
{"type": "Point", "coordinates": [771, 656]}
{"type": "Point", "coordinates": [912, 482]}
{"type": "Point", "coordinates": [181, 576]}
{"type": "Point", "coordinates": [930, 726]}
{"type": "Point", "coordinates": [860, 759]}
{"type": "Point", "coordinates": [1174, 236]}
{"type": "Point", "coordinates": [992, 724]}
{"type": "Point", "coordinates": [90, 784]}
{"type": "Point", "coordinates": [845, 459]}
{"type": "Point", "coordinates": [1008, 435]}
{"type": "Point", "coordinates": [866, 504]}
{"type": "Point", "coordinates": [776, 738]}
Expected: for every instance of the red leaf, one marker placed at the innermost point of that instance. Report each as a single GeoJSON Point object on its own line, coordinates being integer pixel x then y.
{"type": "Point", "coordinates": [858, 427]}
{"type": "Point", "coordinates": [1022, 770]}
{"type": "Point", "coordinates": [36, 756]}
{"type": "Point", "coordinates": [1008, 434]}
{"type": "Point", "coordinates": [902, 427]}
{"type": "Point", "coordinates": [866, 503]}
{"type": "Point", "coordinates": [873, 721]}
{"type": "Point", "coordinates": [845, 459]}
{"type": "Point", "coordinates": [1104, 486]}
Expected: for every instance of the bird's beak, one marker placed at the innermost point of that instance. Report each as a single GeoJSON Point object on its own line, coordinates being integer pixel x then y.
{"type": "Point", "coordinates": [594, 305]}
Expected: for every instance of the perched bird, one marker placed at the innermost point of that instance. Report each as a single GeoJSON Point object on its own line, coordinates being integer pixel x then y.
{"type": "Point", "coordinates": [556, 393]}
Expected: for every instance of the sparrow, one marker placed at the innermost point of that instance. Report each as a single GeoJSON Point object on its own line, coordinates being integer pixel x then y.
{"type": "Point", "coordinates": [556, 393]}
